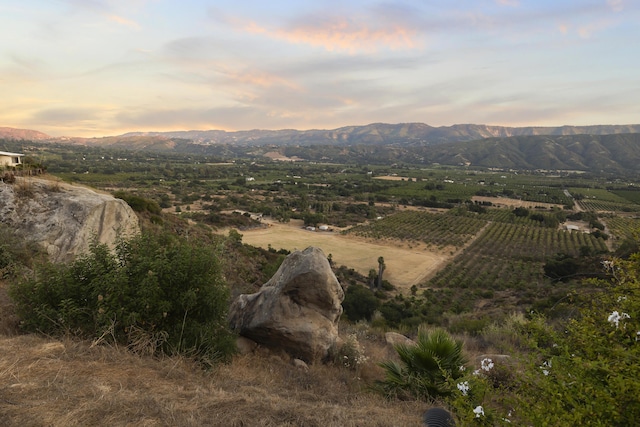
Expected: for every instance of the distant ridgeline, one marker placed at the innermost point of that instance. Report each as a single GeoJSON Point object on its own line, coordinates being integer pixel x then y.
{"type": "Point", "coordinates": [607, 148]}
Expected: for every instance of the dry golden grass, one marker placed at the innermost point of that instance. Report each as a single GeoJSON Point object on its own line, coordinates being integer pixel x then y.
{"type": "Point", "coordinates": [52, 383]}
{"type": "Point", "coordinates": [8, 318]}
{"type": "Point", "coordinates": [405, 265]}
{"type": "Point", "coordinates": [48, 382]}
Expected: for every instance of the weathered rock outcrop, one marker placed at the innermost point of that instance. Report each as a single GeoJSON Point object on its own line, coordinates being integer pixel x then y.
{"type": "Point", "coordinates": [393, 339]}
{"type": "Point", "coordinates": [64, 218]}
{"type": "Point", "coordinates": [297, 310]}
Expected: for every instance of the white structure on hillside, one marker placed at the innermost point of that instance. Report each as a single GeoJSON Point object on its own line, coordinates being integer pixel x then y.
{"type": "Point", "coordinates": [10, 159]}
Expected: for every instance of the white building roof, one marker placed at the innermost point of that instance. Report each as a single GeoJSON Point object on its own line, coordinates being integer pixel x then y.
{"type": "Point", "coordinates": [5, 153]}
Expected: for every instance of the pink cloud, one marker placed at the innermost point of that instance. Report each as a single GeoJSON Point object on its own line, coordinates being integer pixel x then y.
{"type": "Point", "coordinates": [123, 21]}
{"type": "Point", "coordinates": [564, 28]}
{"type": "Point", "coordinates": [340, 34]}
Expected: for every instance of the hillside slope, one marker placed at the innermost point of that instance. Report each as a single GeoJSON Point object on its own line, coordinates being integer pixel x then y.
{"type": "Point", "coordinates": [597, 153]}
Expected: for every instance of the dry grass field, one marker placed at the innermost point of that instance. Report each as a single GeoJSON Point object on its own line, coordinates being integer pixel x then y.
{"type": "Point", "coordinates": [69, 383]}
{"type": "Point", "coordinates": [406, 265]}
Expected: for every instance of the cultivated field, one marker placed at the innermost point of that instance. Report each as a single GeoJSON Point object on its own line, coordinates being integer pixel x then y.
{"type": "Point", "coordinates": [406, 265]}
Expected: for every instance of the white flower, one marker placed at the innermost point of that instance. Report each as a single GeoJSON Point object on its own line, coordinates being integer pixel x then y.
{"type": "Point", "coordinates": [486, 364]}
{"type": "Point", "coordinates": [616, 317]}
{"type": "Point", "coordinates": [462, 368]}
{"type": "Point", "coordinates": [638, 336]}
{"type": "Point", "coordinates": [463, 387]}
{"type": "Point", "coordinates": [622, 298]}
{"type": "Point", "coordinates": [607, 264]}
{"type": "Point", "coordinates": [476, 372]}
{"type": "Point", "coordinates": [479, 411]}
{"type": "Point", "coordinates": [545, 367]}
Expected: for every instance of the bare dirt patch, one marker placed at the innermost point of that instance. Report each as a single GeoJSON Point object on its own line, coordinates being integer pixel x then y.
{"type": "Point", "coordinates": [407, 264]}
{"type": "Point", "coordinates": [392, 178]}
{"type": "Point", "coordinates": [514, 203]}
{"type": "Point", "coordinates": [274, 155]}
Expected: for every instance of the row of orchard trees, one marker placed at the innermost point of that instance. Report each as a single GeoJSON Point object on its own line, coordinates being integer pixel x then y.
{"type": "Point", "coordinates": [511, 255]}
{"type": "Point", "coordinates": [583, 372]}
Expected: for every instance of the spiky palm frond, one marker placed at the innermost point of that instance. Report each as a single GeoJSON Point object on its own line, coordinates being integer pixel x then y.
{"type": "Point", "coordinates": [424, 367]}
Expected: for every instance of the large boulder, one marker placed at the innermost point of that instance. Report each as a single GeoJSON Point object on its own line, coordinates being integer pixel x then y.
{"type": "Point", "coordinates": [297, 310]}
{"type": "Point", "coordinates": [64, 218]}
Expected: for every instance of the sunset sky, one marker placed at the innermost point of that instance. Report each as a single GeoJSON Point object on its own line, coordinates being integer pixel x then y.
{"type": "Point", "coordinates": [105, 67]}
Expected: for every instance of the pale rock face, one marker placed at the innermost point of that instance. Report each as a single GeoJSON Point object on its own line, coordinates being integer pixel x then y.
{"type": "Point", "coordinates": [297, 310]}
{"type": "Point", "coordinates": [65, 218]}
{"type": "Point", "coordinates": [393, 339]}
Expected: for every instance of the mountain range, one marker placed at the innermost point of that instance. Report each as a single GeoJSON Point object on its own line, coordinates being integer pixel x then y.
{"type": "Point", "coordinates": [381, 133]}
{"type": "Point", "coordinates": [592, 148]}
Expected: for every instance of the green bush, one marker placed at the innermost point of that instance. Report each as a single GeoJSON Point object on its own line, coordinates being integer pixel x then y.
{"type": "Point", "coordinates": [15, 252]}
{"type": "Point", "coordinates": [359, 303]}
{"type": "Point", "coordinates": [160, 293]}
{"type": "Point", "coordinates": [425, 369]}
{"type": "Point", "coordinates": [589, 375]}
{"type": "Point", "coordinates": [138, 203]}
{"type": "Point", "coordinates": [583, 374]}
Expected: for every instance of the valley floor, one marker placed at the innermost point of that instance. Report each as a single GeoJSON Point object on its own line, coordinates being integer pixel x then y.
{"type": "Point", "coordinates": [406, 264]}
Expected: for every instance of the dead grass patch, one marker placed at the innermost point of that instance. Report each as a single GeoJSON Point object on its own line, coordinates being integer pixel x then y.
{"type": "Point", "coordinates": [8, 317]}
{"type": "Point", "coordinates": [68, 383]}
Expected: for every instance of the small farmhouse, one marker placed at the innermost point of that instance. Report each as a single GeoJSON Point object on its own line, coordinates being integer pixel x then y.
{"type": "Point", "coordinates": [10, 159]}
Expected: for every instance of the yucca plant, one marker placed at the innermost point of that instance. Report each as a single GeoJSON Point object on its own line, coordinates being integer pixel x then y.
{"type": "Point", "coordinates": [425, 367]}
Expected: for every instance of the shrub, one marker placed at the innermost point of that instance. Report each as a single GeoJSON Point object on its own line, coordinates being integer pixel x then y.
{"type": "Point", "coordinates": [588, 375]}
{"type": "Point", "coordinates": [158, 289]}
{"type": "Point", "coordinates": [15, 252]}
{"type": "Point", "coordinates": [351, 353]}
{"type": "Point", "coordinates": [138, 203]}
{"type": "Point", "coordinates": [425, 369]}
{"type": "Point", "coordinates": [359, 303]}
{"type": "Point", "coordinates": [583, 374]}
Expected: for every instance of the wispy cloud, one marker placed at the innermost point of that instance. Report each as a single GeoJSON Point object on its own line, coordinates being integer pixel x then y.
{"type": "Point", "coordinates": [616, 5]}
{"type": "Point", "coordinates": [107, 10]}
{"type": "Point", "coordinates": [339, 33]}
{"type": "Point", "coordinates": [586, 31]}
{"type": "Point", "coordinates": [123, 21]}
{"type": "Point", "coordinates": [508, 2]}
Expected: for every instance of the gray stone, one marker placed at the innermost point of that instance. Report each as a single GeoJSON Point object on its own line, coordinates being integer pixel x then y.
{"type": "Point", "coordinates": [300, 364]}
{"type": "Point", "coordinates": [245, 345]}
{"type": "Point", "coordinates": [297, 310]}
{"type": "Point", "coordinates": [394, 338]}
{"type": "Point", "coordinates": [64, 219]}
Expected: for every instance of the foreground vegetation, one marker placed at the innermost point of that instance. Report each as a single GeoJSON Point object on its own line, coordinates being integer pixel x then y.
{"type": "Point", "coordinates": [156, 293]}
